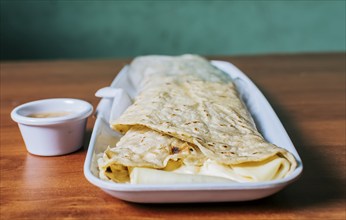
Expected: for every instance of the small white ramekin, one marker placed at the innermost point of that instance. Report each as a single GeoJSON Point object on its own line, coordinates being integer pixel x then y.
{"type": "Point", "coordinates": [54, 135]}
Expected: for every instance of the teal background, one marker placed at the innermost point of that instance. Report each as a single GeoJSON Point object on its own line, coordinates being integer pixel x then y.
{"type": "Point", "coordinates": [103, 29]}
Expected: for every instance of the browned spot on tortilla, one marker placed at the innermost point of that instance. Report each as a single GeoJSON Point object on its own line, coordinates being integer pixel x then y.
{"type": "Point", "coordinates": [175, 150]}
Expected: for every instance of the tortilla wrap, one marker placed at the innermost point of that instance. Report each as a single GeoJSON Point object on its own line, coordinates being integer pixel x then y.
{"type": "Point", "coordinates": [189, 119]}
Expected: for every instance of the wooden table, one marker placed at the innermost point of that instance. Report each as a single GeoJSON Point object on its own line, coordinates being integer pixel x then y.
{"type": "Point", "coordinates": [306, 91]}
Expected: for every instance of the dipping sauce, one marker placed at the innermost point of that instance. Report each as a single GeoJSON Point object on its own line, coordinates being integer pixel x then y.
{"type": "Point", "coordinates": [48, 114]}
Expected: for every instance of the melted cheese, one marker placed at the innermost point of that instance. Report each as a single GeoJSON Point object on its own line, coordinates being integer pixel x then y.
{"type": "Point", "coordinates": [211, 171]}
{"type": "Point", "coordinates": [153, 176]}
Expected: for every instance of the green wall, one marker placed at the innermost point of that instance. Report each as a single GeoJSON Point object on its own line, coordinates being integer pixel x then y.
{"type": "Point", "coordinates": [101, 29]}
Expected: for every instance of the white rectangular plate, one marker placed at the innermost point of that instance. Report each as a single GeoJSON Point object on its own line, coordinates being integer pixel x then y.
{"type": "Point", "coordinates": [266, 121]}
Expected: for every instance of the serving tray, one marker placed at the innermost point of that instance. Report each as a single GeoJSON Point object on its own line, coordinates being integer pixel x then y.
{"type": "Point", "coordinates": [266, 121]}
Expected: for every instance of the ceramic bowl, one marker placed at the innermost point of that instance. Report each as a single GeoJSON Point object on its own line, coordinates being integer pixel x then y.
{"type": "Point", "coordinates": [52, 127]}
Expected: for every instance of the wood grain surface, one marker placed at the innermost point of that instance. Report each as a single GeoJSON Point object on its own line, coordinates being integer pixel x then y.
{"type": "Point", "coordinates": [307, 92]}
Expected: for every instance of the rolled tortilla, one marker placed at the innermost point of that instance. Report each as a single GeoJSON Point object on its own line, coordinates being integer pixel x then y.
{"type": "Point", "coordinates": [195, 120]}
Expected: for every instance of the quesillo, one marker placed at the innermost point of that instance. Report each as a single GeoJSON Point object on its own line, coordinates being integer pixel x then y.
{"type": "Point", "coordinates": [186, 125]}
